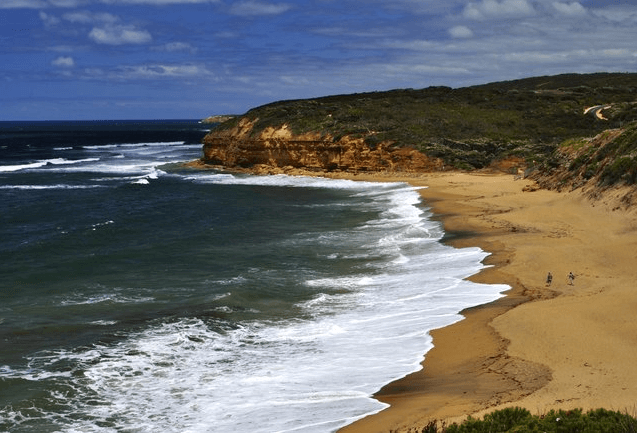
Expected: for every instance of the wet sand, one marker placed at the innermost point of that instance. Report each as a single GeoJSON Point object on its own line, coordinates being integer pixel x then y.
{"type": "Point", "coordinates": [541, 347]}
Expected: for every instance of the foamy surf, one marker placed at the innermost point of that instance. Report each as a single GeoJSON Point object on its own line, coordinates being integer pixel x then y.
{"type": "Point", "coordinates": [181, 301]}
{"type": "Point", "coordinates": [44, 163]}
{"type": "Point", "coordinates": [313, 374]}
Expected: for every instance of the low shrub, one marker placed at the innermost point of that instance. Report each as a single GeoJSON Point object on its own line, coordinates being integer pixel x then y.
{"type": "Point", "coordinates": [519, 420]}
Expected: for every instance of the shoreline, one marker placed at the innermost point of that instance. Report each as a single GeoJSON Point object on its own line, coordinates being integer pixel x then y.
{"type": "Point", "coordinates": [503, 353]}
{"type": "Point", "coordinates": [540, 347]}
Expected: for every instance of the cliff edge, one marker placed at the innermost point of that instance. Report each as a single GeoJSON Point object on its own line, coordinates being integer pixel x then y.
{"type": "Point", "coordinates": [278, 150]}
{"type": "Point", "coordinates": [534, 125]}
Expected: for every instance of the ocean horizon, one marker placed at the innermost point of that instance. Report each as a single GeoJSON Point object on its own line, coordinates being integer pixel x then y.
{"type": "Point", "coordinates": [143, 295]}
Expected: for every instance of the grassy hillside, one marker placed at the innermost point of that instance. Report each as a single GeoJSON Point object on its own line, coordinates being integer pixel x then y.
{"type": "Point", "coordinates": [468, 127]}
{"type": "Point", "coordinates": [604, 160]}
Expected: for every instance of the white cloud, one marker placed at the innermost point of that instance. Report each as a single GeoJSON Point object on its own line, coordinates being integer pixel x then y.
{"type": "Point", "coordinates": [581, 56]}
{"type": "Point", "coordinates": [85, 17]}
{"type": "Point", "coordinates": [49, 20]}
{"type": "Point", "coordinates": [472, 12]}
{"type": "Point", "coordinates": [192, 72]}
{"type": "Point", "coordinates": [65, 62]}
{"type": "Point", "coordinates": [40, 4]}
{"type": "Point", "coordinates": [175, 47]}
{"type": "Point", "coordinates": [375, 32]}
{"type": "Point", "coordinates": [24, 4]}
{"type": "Point", "coordinates": [106, 29]}
{"type": "Point", "coordinates": [572, 9]}
{"type": "Point", "coordinates": [66, 3]}
{"type": "Point", "coordinates": [421, 69]}
{"type": "Point", "coordinates": [161, 71]}
{"type": "Point", "coordinates": [428, 7]}
{"type": "Point", "coordinates": [617, 52]}
{"type": "Point", "coordinates": [460, 32]}
{"type": "Point", "coordinates": [119, 35]}
{"type": "Point", "coordinates": [414, 45]}
{"type": "Point", "coordinates": [496, 9]}
{"type": "Point", "coordinates": [616, 14]}
{"type": "Point", "coordinates": [251, 7]}
{"type": "Point", "coordinates": [158, 2]}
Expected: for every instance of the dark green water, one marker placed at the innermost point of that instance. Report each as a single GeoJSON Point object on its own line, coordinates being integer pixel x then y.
{"type": "Point", "coordinates": [138, 295]}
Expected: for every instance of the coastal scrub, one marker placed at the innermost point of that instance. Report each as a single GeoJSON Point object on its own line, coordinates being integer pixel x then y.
{"type": "Point", "coordinates": [520, 420]}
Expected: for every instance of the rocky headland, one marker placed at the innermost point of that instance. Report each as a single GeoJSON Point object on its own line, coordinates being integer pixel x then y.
{"type": "Point", "coordinates": [277, 149]}
{"type": "Point", "coordinates": [550, 128]}
{"type": "Point", "coordinates": [220, 118]}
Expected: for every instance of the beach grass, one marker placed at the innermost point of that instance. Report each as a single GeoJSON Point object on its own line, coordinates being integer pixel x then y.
{"type": "Point", "coordinates": [517, 419]}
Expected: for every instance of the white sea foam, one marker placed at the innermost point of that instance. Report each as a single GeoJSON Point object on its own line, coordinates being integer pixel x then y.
{"type": "Point", "coordinates": [136, 169]}
{"type": "Point", "coordinates": [141, 160]}
{"type": "Point", "coordinates": [286, 181]}
{"type": "Point", "coordinates": [43, 163]}
{"type": "Point", "coordinates": [103, 322]}
{"type": "Point", "coordinates": [101, 147]}
{"type": "Point", "coordinates": [8, 168]}
{"type": "Point", "coordinates": [112, 298]}
{"type": "Point", "coordinates": [310, 374]}
{"type": "Point", "coordinates": [136, 145]}
{"type": "Point", "coordinates": [101, 224]}
{"type": "Point", "coordinates": [52, 186]}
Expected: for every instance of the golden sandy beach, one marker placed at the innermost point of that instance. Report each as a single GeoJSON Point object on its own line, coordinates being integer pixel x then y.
{"type": "Point", "coordinates": [541, 347]}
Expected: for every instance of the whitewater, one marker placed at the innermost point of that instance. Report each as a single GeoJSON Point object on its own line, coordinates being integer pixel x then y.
{"type": "Point", "coordinates": [142, 295]}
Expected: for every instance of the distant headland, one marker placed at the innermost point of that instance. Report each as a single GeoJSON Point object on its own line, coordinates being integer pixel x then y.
{"type": "Point", "coordinates": [218, 119]}
{"type": "Point", "coordinates": [565, 130]}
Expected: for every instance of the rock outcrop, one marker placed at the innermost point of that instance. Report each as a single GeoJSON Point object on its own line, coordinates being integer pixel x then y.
{"type": "Point", "coordinates": [217, 119]}
{"type": "Point", "coordinates": [278, 150]}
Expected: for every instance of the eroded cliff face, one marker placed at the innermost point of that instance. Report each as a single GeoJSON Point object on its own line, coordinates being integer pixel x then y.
{"type": "Point", "coordinates": [278, 150]}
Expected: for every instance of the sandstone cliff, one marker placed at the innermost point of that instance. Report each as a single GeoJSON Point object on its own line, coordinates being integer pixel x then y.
{"type": "Point", "coordinates": [519, 127]}
{"type": "Point", "coordinates": [278, 150]}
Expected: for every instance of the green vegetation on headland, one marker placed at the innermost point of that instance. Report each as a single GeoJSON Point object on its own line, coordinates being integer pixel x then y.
{"type": "Point", "coordinates": [520, 420]}
{"type": "Point", "coordinates": [607, 159]}
{"type": "Point", "coordinates": [532, 119]}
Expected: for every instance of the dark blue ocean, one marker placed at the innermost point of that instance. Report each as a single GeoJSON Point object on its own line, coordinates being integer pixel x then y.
{"type": "Point", "coordinates": [138, 295]}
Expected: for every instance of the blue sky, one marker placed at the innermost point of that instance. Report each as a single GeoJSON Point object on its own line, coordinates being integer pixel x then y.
{"type": "Point", "coordinates": [166, 59]}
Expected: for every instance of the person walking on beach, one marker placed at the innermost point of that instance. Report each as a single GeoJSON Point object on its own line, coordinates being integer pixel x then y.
{"type": "Point", "coordinates": [549, 279]}
{"type": "Point", "coordinates": [571, 277]}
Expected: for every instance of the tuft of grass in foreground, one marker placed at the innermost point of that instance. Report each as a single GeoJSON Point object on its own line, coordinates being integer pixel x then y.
{"type": "Point", "coordinates": [519, 420]}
